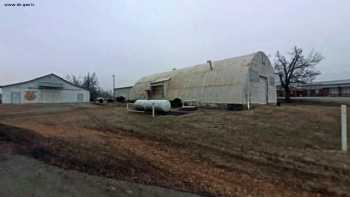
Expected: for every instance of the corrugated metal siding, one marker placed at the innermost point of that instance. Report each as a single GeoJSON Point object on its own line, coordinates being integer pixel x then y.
{"type": "Point", "coordinates": [261, 69]}
{"type": "Point", "coordinates": [124, 92]}
{"type": "Point", "coordinates": [67, 94]}
{"type": "Point", "coordinates": [226, 83]}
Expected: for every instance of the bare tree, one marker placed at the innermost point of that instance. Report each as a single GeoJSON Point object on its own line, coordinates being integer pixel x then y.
{"type": "Point", "coordinates": [74, 79]}
{"type": "Point", "coordinates": [297, 69]}
{"type": "Point", "coordinates": [88, 82]}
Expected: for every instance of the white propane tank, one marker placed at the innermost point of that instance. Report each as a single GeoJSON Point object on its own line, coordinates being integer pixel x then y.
{"type": "Point", "coordinates": [146, 105]}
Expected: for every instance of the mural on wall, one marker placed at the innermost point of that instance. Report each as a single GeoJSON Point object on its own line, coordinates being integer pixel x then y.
{"type": "Point", "coordinates": [30, 95]}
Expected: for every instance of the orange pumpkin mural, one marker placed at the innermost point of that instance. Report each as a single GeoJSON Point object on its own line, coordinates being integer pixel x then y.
{"type": "Point", "coordinates": [30, 95]}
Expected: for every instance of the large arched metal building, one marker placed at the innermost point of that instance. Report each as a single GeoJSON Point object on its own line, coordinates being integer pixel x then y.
{"type": "Point", "coordinates": [239, 80]}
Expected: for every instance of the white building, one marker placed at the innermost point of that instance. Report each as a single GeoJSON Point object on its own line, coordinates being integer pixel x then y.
{"type": "Point", "coordinates": [123, 92]}
{"type": "Point", "coordinates": [239, 80]}
{"type": "Point", "coordinates": [46, 89]}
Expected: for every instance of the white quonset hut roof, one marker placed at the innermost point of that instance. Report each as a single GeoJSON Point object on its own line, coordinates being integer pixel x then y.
{"type": "Point", "coordinates": [216, 79]}
{"type": "Point", "coordinates": [235, 63]}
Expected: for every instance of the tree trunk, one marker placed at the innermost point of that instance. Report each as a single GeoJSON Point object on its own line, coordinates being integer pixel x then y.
{"type": "Point", "coordinates": [287, 94]}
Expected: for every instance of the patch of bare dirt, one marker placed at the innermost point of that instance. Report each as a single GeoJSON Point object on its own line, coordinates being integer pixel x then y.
{"type": "Point", "coordinates": [269, 151]}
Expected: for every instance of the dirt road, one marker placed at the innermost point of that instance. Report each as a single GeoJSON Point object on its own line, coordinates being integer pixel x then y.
{"type": "Point", "coordinates": [23, 176]}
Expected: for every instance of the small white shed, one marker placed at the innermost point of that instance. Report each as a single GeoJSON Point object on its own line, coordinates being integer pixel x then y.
{"type": "Point", "coordinates": [123, 92]}
{"type": "Point", "coordinates": [46, 89]}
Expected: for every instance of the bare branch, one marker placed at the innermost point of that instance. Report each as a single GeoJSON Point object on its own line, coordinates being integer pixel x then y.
{"type": "Point", "coordinates": [298, 69]}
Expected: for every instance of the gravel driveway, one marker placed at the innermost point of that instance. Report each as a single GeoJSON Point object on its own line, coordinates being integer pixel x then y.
{"type": "Point", "coordinates": [23, 176]}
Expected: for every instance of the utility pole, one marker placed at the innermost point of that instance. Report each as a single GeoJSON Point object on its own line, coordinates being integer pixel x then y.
{"type": "Point", "coordinates": [113, 86]}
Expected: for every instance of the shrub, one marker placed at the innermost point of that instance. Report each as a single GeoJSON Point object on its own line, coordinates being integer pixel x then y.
{"type": "Point", "coordinates": [120, 99]}
{"type": "Point", "coordinates": [176, 103]}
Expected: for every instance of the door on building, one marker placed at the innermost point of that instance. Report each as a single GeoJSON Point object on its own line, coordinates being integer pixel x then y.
{"type": "Point", "coordinates": [51, 96]}
{"type": "Point", "coordinates": [157, 92]}
{"type": "Point", "coordinates": [80, 97]}
{"type": "Point", "coordinates": [15, 97]}
{"type": "Point", "coordinates": [264, 89]}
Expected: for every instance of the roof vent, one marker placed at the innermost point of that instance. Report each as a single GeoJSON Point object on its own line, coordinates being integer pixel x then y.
{"type": "Point", "coordinates": [210, 64]}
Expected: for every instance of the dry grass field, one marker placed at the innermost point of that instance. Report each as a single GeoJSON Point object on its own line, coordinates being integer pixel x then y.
{"type": "Point", "coordinates": [291, 150]}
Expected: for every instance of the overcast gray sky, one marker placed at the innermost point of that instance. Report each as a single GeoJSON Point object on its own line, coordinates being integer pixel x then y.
{"type": "Point", "coordinates": [133, 38]}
